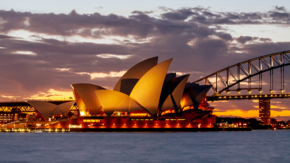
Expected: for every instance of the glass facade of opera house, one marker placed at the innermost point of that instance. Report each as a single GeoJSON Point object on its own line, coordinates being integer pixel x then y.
{"type": "Point", "coordinates": [145, 97]}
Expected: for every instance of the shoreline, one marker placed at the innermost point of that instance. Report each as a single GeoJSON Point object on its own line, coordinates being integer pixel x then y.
{"type": "Point", "coordinates": [130, 130]}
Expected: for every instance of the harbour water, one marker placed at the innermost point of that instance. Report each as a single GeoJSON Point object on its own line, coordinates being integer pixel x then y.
{"type": "Point", "coordinates": [254, 146]}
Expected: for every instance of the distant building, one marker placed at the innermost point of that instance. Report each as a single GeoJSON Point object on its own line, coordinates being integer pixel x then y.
{"type": "Point", "coordinates": [273, 122]}
{"type": "Point", "coordinates": [264, 111]}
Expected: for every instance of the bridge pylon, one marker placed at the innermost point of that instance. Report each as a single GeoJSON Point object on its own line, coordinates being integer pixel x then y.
{"type": "Point", "coordinates": [264, 111]}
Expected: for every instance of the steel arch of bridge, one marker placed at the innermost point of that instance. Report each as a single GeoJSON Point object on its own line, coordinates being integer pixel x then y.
{"type": "Point", "coordinates": [281, 59]}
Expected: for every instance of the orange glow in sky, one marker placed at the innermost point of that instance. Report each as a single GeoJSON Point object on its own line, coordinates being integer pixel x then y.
{"type": "Point", "coordinates": [250, 113]}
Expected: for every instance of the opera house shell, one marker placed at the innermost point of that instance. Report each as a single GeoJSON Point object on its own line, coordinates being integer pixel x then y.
{"type": "Point", "coordinates": [47, 109]}
{"type": "Point", "coordinates": [145, 87]}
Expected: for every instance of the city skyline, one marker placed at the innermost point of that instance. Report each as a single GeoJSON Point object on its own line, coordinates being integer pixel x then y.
{"type": "Point", "coordinates": [44, 49]}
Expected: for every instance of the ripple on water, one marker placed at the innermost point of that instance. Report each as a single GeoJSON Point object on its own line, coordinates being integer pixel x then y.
{"type": "Point", "coordinates": [254, 146]}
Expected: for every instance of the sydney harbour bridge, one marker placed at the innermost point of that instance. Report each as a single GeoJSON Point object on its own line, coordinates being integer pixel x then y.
{"type": "Point", "coordinates": [251, 79]}
{"type": "Point", "coordinates": [259, 78]}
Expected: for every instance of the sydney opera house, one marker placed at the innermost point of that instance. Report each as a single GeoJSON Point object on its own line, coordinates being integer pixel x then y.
{"type": "Point", "coordinates": [146, 97]}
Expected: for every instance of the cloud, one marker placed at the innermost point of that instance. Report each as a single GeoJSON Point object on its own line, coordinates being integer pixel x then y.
{"type": "Point", "coordinates": [139, 24]}
{"type": "Point", "coordinates": [181, 14]}
{"type": "Point", "coordinates": [52, 94]}
{"type": "Point", "coordinates": [282, 8]}
{"type": "Point", "coordinates": [10, 97]}
{"type": "Point", "coordinates": [95, 75]}
{"type": "Point", "coordinates": [280, 16]}
{"type": "Point", "coordinates": [62, 69]}
{"type": "Point", "coordinates": [98, 49]}
{"type": "Point", "coordinates": [113, 56]}
{"type": "Point", "coordinates": [276, 107]}
{"type": "Point", "coordinates": [244, 39]}
{"type": "Point", "coordinates": [24, 53]}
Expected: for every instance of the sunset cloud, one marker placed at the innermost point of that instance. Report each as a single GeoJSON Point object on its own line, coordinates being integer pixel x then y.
{"type": "Point", "coordinates": [52, 94]}
{"type": "Point", "coordinates": [10, 97]}
{"type": "Point", "coordinates": [113, 56]}
{"type": "Point", "coordinates": [24, 53]}
{"type": "Point", "coordinates": [49, 51]}
{"type": "Point", "coordinates": [95, 75]}
{"type": "Point", "coordinates": [62, 69]}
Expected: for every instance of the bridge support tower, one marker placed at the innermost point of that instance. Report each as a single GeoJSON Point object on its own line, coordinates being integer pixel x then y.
{"type": "Point", "coordinates": [264, 111]}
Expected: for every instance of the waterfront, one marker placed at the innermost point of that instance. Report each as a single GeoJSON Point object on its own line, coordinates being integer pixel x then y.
{"type": "Point", "coordinates": [254, 146]}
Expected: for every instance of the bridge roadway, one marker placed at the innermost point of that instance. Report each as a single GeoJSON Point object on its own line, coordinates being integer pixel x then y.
{"type": "Point", "coordinates": [248, 97]}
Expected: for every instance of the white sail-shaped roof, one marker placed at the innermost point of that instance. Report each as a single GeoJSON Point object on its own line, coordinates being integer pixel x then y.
{"type": "Point", "coordinates": [116, 101]}
{"type": "Point", "coordinates": [194, 94]}
{"type": "Point", "coordinates": [197, 93]}
{"type": "Point", "coordinates": [168, 104]}
{"type": "Point", "coordinates": [178, 91]}
{"type": "Point", "coordinates": [137, 71]}
{"type": "Point", "coordinates": [186, 100]}
{"type": "Point", "coordinates": [44, 108]}
{"type": "Point", "coordinates": [86, 98]}
{"type": "Point", "coordinates": [47, 109]}
{"type": "Point", "coordinates": [127, 85]}
{"type": "Point", "coordinates": [176, 94]}
{"type": "Point", "coordinates": [148, 89]}
{"type": "Point", "coordinates": [65, 107]}
{"type": "Point", "coordinates": [57, 111]}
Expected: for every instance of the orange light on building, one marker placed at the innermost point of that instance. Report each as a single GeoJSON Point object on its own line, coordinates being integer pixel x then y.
{"type": "Point", "coordinates": [135, 126]}
{"type": "Point", "coordinates": [167, 126]}
{"type": "Point", "coordinates": [113, 126]}
{"type": "Point", "coordinates": [187, 108]}
{"type": "Point", "coordinates": [168, 111]}
{"type": "Point", "coordinates": [124, 125]}
{"type": "Point", "coordinates": [82, 113]}
{"type": "Point", "coordinates": [209, 126]}
{"type": "Point", "coordinates": [145, 126]}
{"type": "Point", "coordinates": [139, 115]}
{"type": "Point", "coordinates": [182, 102]}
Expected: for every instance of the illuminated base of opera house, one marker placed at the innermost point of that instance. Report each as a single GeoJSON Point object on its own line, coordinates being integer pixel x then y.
{"type": "Point", "coordinates": [146, 98]}
{"type": "Point", "coordinates": [190, 119]}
